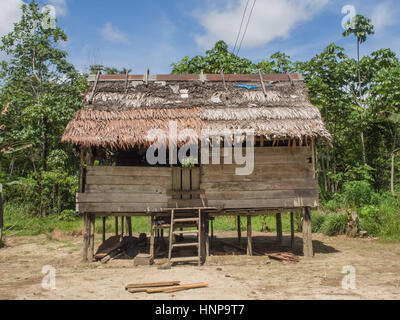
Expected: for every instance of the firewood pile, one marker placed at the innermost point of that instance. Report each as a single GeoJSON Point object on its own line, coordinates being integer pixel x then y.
{"type": "Point", "coordinates": [117, 248]}
{"type": "Point", "coordinates": [284, 257]}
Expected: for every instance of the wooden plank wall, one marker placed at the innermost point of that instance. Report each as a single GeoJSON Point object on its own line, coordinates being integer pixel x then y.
{"type": "Point", "coordinates": [124, 189]}
{"type": "Point", "coordinates": [282, 178]}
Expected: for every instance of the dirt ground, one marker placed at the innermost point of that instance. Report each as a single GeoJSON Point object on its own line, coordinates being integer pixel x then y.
{"type": "Point", "coordinates": [377, 266]}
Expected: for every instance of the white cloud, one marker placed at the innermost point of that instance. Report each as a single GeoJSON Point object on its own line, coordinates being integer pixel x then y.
{"type": "Point", "coordinates": [271, 19]}
{"type": "Point", "coordinates": [10, 12]}
{"type": "Point", "coordinates": [383, 15]}
{"type": "Point", "coordinates": [60, 5]}
{"type": "Point", "coordinates": [111, 33]}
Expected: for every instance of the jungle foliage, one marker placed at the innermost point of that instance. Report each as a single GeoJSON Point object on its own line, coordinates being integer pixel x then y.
{"type": "Point", "coordinates": [358, 100]}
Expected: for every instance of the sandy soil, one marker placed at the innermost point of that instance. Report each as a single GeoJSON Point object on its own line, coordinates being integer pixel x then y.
{"type": "Point", "coordinates": [377, 266]}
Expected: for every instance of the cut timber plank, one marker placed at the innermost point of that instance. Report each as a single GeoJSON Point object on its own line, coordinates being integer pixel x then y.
{"type": "Point", "coordinates": [265, 185]}
{"type": "Point", "coordinates": [119, 208]}
{"type": "Point", "coordinates": [274, 194]}
{"type": "Point", "coordinates": [187, 220]}
{"type": "Point", "coordinates": [129, 171]}
{"type": "Point", "coordinates": [178, 288]}
{"type": "Point", "coordinates": [129, 180]}
{"type": "Point", "coordinates": [184, 259]}
{"type": "Point", "coordinates": [194, 203]}
{"type": "Point", "coordinates": [186, 232]}
{"type": "Point", "coordinates": [138, 189]}
{"type": "Point", "coordinates": [265, 203]}
{"type": "Point", "coordinates": [119, 198]}
{"type": "Point", "coordinates": [152, 285]}
{"type": "Point", "coordinates": [183, 245]}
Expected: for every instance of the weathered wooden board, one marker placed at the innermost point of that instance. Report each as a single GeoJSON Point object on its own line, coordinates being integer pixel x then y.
{"type": "Point", "coordinates": [248, 195]}
{"type": "Point", "coordinates": [119, 197]}
{"type": "Point", "coordinates": [268, 184]}
{"type": "Point", "coordinates": [265, 203]}
{"type": "Point", "coordinates": [129, 180]}
{"type": "Point", "coordinates": [129, 171]}
{"type": "Point", "coordinates": [93, 188]}
{"type": "Point", "coordinates": [119, 208]}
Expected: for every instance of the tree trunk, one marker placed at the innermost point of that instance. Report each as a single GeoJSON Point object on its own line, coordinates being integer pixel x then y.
{"type": "Point", "coordinates": [392, 176]}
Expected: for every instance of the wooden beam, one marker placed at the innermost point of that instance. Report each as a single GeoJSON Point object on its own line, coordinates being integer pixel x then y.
{"type": "Point", "coordinates": [129, 225]}
{"type": "Point", "coordinates": [249, 238]}
{"type": "Point", "coordinates": [207, 234]}
{"type": "Point", "coordinates": [307, 233]}
{"type": "Point", "coordinates": [104, 229]}
{"type": "Point", "coordinates": [85, 237]}
{"type": "Point", "coordinates": [81, 186]}
{"type": "Point", "coordinates": [152, 236]}
{"type": "Point", "coordinates": [292, 230]}
{"type": "Point", "coordinates": [122, 226]}
{"type": "Point", "coordinates": [92, 220]}
{"type": "Point", "coordinates": [1, 212]}
{"type": "Point", "coordinates": [279, 227]}
{"type": "Point", "coordinates": [239, 229]}
{"type": "Point", "coordinates": [262, 82]}
{"type": "Point", "coordinates": [152, 285]}
{"type": "Point", "coordinates": [116, 225]}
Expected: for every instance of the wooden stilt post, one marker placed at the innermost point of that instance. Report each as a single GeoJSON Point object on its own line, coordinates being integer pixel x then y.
{"type": "Point", "coordinates": [307, 233]}
{"type": "Point", "coordinates": [207, 234]}
{"type": "Point", "coordinates": [152, 236]}
{"type": "Point", "coordinates": [116, 226]}
{"type": "Point", "coordinates": [279, 227]}
{"type": "Point", "coordinates": [249, 238]}
{"type": "Point", "coordinates": [85, 237]}
{"type": "Point", "coordinates": [91, 236]}
{"type": "Point", "coordinates": [239, 229]}
{"type": "Point", "coordinates": [104, 229]}
{"type": "Point", "coordinates": [292, 230]}
{"type": "Point", "coordinates": [129, 225]}
{"type": "Point", "coordinates": [1, 212]}
{"type": "Point", "coordinates": [122, 226]}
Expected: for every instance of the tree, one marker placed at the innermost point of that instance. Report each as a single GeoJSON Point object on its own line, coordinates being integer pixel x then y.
{"type": "Point", "coordinates": [40, 94]}
{"type": "Point", "coordinates": [215, 60]}
{"type": "Point", "coordinates": [360, 27]}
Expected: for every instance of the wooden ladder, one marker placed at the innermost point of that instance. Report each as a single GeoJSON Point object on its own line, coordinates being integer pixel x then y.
{"type": "Point", "coordinates": [179, 221]}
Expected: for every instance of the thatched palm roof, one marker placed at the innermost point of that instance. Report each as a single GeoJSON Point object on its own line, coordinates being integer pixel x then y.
{"type": "Point", "coordinates": [119, 111]}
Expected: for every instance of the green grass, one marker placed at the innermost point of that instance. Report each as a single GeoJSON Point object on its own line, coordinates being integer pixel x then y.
{"type": "Point", "coordinates": [380, 220]}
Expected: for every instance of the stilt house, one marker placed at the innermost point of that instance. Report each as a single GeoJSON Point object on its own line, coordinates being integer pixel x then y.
{"type": "Point", "coordinates": [233, 145]}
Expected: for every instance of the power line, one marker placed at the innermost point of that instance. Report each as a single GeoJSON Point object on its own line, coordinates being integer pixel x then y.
{"type": "Point", "coordinates": [241, 25]}
{"type": "Point", "coordinates": [248, 22]}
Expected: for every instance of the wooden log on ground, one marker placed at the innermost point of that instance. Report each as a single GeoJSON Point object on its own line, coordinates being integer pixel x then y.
{"type": "Point", "coordinates": [307, 233]}
{"type": "Point", "coordinates": [152, 285]}
{"type": "Point", "coordinates": [284, 257]}
{"type": "Point", "coordinates": [178, 288]}
{"type": "Point", "coordinates": [249, 238]}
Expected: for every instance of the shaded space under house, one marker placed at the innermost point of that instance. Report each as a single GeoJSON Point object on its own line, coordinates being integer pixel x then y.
{"type": "Point", "coordinates": [112, 135]}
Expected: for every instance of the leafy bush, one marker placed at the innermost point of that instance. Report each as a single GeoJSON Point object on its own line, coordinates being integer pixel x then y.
{"type": "Point", "coordinates": [317, 220]}
{"type": "Point", "coordinates": [369, 220]}
{"type": "Point", "coordinates": [357, 193]}
{"type": "Point", "coordinates": [68, 215]}
{"type": "Point", "coordinates": [334, 224]}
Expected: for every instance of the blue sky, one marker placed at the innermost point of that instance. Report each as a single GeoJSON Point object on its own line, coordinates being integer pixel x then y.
{"type": "Point", "coordinates": [155, 33]}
